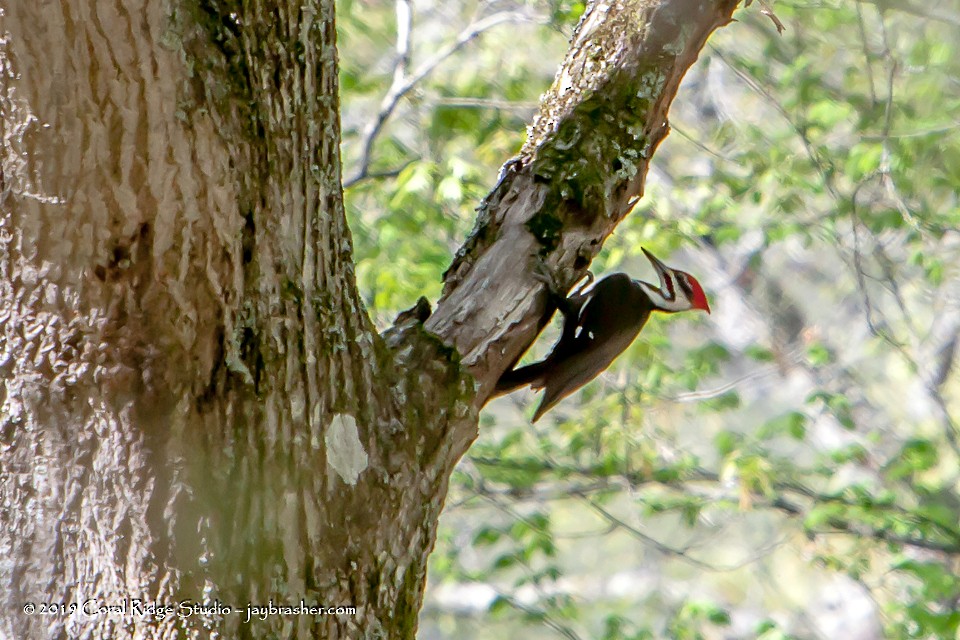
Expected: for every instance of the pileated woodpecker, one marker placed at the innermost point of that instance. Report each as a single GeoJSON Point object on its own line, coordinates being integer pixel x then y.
{"type": "Point", "coordinates": [599, 325]}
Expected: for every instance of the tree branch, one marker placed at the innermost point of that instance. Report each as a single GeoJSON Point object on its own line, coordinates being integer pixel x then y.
{"type": "Point", "coordinates": [580, 172]}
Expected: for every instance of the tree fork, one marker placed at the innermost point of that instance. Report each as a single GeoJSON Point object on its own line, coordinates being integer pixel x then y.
{"type": "Point", "coordinates": [195, 403]}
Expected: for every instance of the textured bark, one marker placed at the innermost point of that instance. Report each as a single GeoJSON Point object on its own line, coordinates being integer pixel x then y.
{"type": "Point", "coordinates": [195, 404]}
{"type": "Point", "coordinates": [580, 172]}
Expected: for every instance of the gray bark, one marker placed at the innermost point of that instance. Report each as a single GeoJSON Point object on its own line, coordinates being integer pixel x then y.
{"type": "Point", "coordinates": [196, 406]}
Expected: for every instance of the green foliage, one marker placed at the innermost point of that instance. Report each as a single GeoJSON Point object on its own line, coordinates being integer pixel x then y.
{"type": "Point", "coordinates": [688, 621]}
{"type": "Point", "coordinates": [768, 630]}
{"type": "Point", "coordinates": [915, 456]}
{"type": "Point", "coordinates": [793, 424]}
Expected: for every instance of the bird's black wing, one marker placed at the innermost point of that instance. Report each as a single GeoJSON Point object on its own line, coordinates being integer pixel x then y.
{"type": "Point", "coordinates": [606, 325]}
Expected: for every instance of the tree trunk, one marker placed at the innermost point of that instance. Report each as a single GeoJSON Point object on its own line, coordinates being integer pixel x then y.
{"type": "Point", "coordinates": [197, 412]}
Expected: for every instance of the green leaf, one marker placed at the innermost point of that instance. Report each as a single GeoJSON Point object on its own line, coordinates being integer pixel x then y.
{"type": "Point", "coordinates": [499, 606]}
{"type": "Point", "coordinates": [818, 355]}
{"type": "Point", "coordinates": [823, 514]}
{"type": "Point", "coordinates": [838, 404]}
{"type": "Point", "coordinates": [758, 353]}
{"type": "Point", "coordinates": [915, 455]}
{"type": "Point", "coordinates": [793, 424]}
{"type": "Point", "coordinates": [856, 453]}
{"type": "Point", "coordinates": [726, 442]}
{"type": "Point", "coordinates": [863, 159]}
{"type": "Point", "coordinates": [486, 536]}
{"type": "Point", "coordinates": [723, 402]}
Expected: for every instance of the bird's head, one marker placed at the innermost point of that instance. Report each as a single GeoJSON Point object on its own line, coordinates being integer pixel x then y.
{"type": "Point", "coordinates": [679, 291]}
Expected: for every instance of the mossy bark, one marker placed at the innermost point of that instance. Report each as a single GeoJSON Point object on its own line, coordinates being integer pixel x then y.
{"type": "Point", "coordinates": [580, 172]}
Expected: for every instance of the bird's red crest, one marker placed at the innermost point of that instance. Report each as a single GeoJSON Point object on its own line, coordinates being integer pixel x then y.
{"type": "Point", "coordinates": [699, 299]}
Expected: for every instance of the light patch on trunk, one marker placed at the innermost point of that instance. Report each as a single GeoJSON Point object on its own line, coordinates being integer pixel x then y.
{"type": "Point", "coordinates": [345, 453]}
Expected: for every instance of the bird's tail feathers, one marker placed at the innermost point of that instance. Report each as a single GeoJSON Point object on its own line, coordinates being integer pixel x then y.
{"type": "Point", "coordinates": [532, 375]}
{"type": "Point", "coordinates": [550, 398]}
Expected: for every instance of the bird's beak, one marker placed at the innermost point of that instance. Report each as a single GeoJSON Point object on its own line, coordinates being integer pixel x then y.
{"type": "Point", "coordinates": [660, 268]}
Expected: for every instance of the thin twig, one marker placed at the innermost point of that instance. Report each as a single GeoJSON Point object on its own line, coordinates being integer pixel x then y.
{"type": "Point", "coordinates": [866, 53]}
{"type": "Point", "coordinates": [403, 83]}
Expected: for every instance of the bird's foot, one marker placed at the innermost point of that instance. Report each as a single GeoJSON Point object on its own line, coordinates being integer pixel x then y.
{"type": "Point", "coordinates": [543, 273]}
{"type": "Point", "coordinates": [566, 303]}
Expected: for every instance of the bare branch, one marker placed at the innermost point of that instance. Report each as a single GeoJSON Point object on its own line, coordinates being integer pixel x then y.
{"type": "Point", "coordinates": [403, 83]}
{"type": "Point", "coordinates": [767, 11]}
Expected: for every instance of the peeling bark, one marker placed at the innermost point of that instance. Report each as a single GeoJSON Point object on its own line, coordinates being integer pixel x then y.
{"type": "Point", "coordinates": [196, 406]}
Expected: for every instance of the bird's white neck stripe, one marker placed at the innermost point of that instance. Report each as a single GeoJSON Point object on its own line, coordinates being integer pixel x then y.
{"type": "Point", "coordinates": [662, 299]}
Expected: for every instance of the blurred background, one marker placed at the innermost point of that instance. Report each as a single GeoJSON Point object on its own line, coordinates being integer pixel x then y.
{"type": "Point", "coordinates": [786, 467]}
